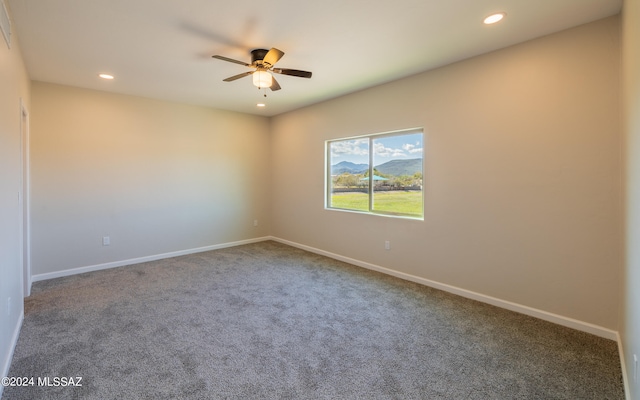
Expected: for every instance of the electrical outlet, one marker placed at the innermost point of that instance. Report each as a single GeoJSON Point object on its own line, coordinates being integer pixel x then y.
{"type": "Point", "coordinates": [387, 245]}
{"type": "Point", "coordinates": [106, 240]}
{"type": "Point", "coordinates": [255, 222]}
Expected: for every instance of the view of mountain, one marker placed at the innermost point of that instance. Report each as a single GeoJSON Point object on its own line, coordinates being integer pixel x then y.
{"type": "Point", "coordinates": [401, 167]}
{"type": "Point", "coordinates": [346, 166]}
{"type": "Point", "coordinates": [393, 167]}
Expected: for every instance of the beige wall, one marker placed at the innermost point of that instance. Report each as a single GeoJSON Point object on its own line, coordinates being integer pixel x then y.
{"type": "Point", "coordinates": [156, 177]}
{"type": "Point", "coordinates": [14, 86]}
{"type": "Point", "coordinates": [630, 326]}
{"type": "Point", "coordinates": [522, 175]}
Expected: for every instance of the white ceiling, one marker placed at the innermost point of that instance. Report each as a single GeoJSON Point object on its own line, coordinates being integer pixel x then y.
{"type": "Point", "coordinates": [162, 48]}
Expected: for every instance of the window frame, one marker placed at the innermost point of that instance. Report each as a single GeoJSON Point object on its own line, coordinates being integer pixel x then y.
{"type": "Point", "coordinates": [328, 187]}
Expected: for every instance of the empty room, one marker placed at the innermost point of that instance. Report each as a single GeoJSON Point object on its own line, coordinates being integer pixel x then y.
{"type": "Point", "coordinates": [336, 200]}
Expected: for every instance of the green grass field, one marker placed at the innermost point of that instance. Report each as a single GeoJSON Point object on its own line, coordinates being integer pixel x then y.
{"type": "Point", "coordinates": [394, 202]}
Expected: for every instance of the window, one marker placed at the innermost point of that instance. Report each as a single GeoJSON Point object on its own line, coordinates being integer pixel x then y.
{"type": "Point", "coordinates": [379, 174]}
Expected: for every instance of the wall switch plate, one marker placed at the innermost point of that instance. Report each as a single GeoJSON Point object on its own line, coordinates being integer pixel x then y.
{"type": "Point", "coordinates": [106, 240]}
{"type": "Point", "coordinates": [387, 245]}
{"type": "Point", "coordinates": [9, 306]}
{"type": "Point", "coordinates": [255, 222]}
{"type": "Point", "coordinates": [635, 368]}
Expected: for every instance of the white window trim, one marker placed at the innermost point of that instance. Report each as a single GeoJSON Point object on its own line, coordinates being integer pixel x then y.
{"type": "Point", "coordinates": [370, 137]}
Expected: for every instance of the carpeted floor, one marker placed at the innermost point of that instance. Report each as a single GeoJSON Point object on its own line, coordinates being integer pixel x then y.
{"type": "Point", "coordinates": [268, 321]}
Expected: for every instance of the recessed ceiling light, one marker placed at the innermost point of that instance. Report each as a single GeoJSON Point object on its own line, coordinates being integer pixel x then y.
{"type": "Point", "coordinates": [493, 18]}
{"type": "Point", "coordinates": [105, 76]}
{"type": "Point", "coordinates": [261, 105]}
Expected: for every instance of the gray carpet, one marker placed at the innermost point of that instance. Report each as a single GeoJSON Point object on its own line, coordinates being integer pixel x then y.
{"type": "Point", "coordinates": [268, 321]}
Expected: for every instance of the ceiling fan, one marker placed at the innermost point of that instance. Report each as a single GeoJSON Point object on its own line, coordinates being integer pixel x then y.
{"type": "Point", "coordinates": [263, 62]}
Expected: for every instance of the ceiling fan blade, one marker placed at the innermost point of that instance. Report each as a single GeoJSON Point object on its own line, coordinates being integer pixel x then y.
{"type": "Point", "coordinates": [272, 56]}
{"type": "Point", "coordinates": [274, 85]}
{"type": "Point", "coordinates": [292, 72]}
{"type": "Point", "coordinates": [231, 60]}
{"type": "Point", "coordinates": [242, 75]}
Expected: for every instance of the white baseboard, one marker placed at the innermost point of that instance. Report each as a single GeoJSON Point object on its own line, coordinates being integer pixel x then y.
{"type": "Point", "coordinates": [623, 364]}
{"type": "Point", "coordinates": [6, 363]}
{"type": "Point", "coordinates": [90, 268]}
{"type": "Point", "coordinates": [544, 315]}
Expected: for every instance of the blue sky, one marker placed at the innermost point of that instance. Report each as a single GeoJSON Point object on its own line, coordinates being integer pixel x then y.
{"type": "Point", "coordinates": [386, 148]}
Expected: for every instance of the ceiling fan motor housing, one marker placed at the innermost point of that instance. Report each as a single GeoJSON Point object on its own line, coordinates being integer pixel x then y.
{"type": "Point", "coordinates": [258, 55]}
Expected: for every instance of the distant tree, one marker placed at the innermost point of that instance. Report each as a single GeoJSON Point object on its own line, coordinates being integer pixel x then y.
{"type": "Point", "coordinates": [346, 180]}
{"type": "Point", "coordinates": [403, 180]}
{"type": "Point", "coordinates": [417, 179]}
{"type": "Point", "coordinates": [375, 173]}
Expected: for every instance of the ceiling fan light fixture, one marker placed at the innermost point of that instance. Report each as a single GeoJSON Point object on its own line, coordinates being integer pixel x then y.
{"type": "Point", "coordinates": [262, 79]}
